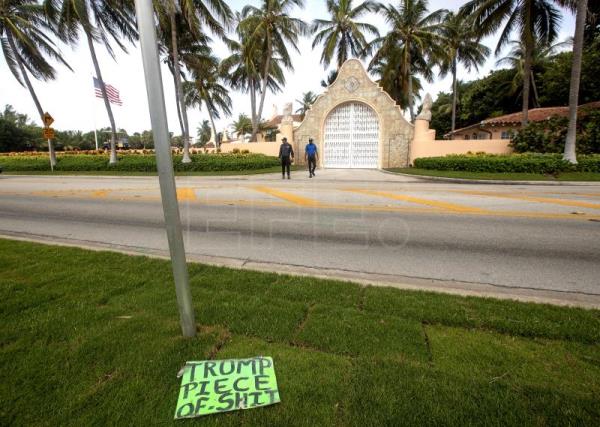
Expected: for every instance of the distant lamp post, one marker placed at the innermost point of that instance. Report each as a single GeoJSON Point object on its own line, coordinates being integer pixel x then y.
{"type": "Point", "coordinates": [162, 146]}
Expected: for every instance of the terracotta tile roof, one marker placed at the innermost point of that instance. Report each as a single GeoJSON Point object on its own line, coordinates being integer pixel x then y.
{"type": "Point", "coordinates": [276, 121]}
{"type": "Point", "coordinates": [535, 115]}
{"type": "Point", "coordinates": [538, 114]}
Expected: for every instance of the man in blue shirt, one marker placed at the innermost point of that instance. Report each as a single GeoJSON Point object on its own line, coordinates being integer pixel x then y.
{"type": "Point", "coordinates": [311, 155]}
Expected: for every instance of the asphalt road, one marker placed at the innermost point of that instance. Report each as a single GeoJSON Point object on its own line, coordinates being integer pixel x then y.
{"type": "Point", "coordinates": [532, 242]}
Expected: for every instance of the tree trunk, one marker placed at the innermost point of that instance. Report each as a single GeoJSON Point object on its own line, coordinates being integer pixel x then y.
{"type": "Point", "coordinates": [253, 104]}
{"type": "Point", "coordinates": [212, 123]}
{"type": "Point", "coordinates": [410, 99]}
{"type": "Point", "coordinates": [178, 86]}
{"type": "Point", "coordinates": [265, 79]}
{"type": "Point", "coordinates": [569, 153]}
{"type": "Point", "coordinates": [36, 101]}
{"type": "Point", "coordinates": [113, 128]}
{"type": "Point", "coordinates": [454, 94]}
{"type": "Point", "coordinates": [178, 106]}
{"type": "Point", "coordinates": [527, 68]}
{"type": "Point", "coordinates": [409, 85]}
{"type": "Point", "coordinates": [536, 98]}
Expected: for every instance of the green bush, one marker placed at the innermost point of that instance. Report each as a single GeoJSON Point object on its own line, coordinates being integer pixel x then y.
{"type": "Point", "coordinates": [515, 163]}
{"type": "Point", "coordinates": [549, 136]}
{"type": "Point", "coordinates": [139, 163]}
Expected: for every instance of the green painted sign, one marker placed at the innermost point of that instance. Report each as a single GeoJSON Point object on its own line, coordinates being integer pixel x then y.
{"type": "Point", "coordinates": [213, 386]}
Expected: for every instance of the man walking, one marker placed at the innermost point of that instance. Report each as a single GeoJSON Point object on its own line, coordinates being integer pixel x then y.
{"type": "Point", "coordinates": [286, 156]}
{"type": "Point", "coordinates": [311, 155]}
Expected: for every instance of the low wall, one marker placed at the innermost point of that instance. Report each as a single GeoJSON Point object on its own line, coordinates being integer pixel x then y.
{"type": "Point", "coordinates": [267, 148]}
{"type": "Point", "coordinates": [458, 146]}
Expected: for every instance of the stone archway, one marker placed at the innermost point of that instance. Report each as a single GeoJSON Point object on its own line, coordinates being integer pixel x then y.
{"type": "Point", "coordinates": [351, 137]}
{"type": "Point", "coordinates": [353, 87]}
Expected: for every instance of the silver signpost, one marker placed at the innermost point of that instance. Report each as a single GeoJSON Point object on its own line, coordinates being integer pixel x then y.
{"type": "Point", "coordinates": [158, 118]}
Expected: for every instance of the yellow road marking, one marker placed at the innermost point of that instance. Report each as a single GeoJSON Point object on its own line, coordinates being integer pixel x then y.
{"type": "Point", "coordinates": [348, 207]}
{"type": "Point", "coordinates": [100, 193]}
{"type": "Point", "coordinates": [186, 193]}
{"type": "Point", "coordinates": [427, 202]}
{"type": "Point", "coordinates": [289, 197]}
{"type": "Point", "coordinates": [563, 202]}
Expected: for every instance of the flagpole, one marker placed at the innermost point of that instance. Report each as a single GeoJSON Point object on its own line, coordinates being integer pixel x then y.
{"type": "Point", "coordinates": [95, 127]}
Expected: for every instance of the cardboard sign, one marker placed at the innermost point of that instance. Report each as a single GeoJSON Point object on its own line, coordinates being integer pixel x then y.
{"type": "Point", "coordinates": [213, 386]}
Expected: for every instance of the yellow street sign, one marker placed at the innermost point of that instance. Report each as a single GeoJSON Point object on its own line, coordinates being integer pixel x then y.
{"type": "Point", "coordinates": [49, 133]}
{"type": "Point", "coordinates": [48, 119]}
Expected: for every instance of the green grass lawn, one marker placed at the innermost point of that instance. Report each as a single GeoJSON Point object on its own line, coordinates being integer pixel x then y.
{"type": "Point", "coordinates": [93, 338]}
{"type": "Point", "coordinates": [565, 176]}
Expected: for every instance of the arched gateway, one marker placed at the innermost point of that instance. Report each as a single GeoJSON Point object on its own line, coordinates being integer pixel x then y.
{"type": "Point", "coordinates": [351, 137]}
{"type": "Point", "coordinates": [355, 124]}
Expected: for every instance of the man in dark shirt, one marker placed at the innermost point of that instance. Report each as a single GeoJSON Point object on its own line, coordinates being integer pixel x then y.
{"type": "Point", "coordinates": [286, 155]}
{"type": "Point", "coordinates": [311, 155]}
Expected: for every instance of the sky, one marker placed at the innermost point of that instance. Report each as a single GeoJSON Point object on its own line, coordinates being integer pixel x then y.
{"type": "Point", "coordinates": [70, 98]}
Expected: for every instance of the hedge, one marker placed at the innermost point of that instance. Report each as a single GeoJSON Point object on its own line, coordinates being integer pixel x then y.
{"type": "Point", "coordinates": [515, 163]}
{"type": "Point", "coordinates": [139, 163]}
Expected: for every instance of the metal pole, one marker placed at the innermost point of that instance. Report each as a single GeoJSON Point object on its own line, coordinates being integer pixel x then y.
{"type": "Point", "coordinates": [50, 151]}
{"type": "Point", "coordinates": [158, 118]}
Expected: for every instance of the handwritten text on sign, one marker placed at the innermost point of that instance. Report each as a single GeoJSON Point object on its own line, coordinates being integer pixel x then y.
{"type": "Point", "coordinates": [213, 386]}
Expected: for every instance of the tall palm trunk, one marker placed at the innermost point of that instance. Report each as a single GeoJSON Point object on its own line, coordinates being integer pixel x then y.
{"type": "Point", "coordinates": [212, 123]}
{"type": "Point", "coordinates": [536, 98]}
{"type": "Point", "coordinates": [36, 101]}
{"type": "Point", "coordinates": [178, 105]}
{"type": "Point", "coordinates": [410, 99]}
{"type": "Point", "coordinates": [265, 80]}
{"type": "Point", "coordinates": [253, 104]}
{"type": "Point", "coordinates": [179, 89]}
{"type": "Point", "coordinates": [409, 84]}
{"type": "Point", "coordinates": [454, 94]}
{"type": "Point", "coordinates": [113, 128]}
{"type": "Point", "coordinates": [569, 153]}
{"type": "Point", "coordinates": [527, 63]}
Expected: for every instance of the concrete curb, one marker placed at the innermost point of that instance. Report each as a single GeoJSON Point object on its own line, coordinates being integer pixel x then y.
{"type": "Point", "coordinates": [494, 181]}
{"type": "Point", "coordinates": [481, 290]}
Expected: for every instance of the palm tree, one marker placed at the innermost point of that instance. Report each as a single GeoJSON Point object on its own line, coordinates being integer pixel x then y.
{"type": "Point", "coordinates": [270, 30]}
{"type": "Point", "coordinates": [532, 19]}
{"type": "Point", "coordinates": [207, 90]}
{"type": "Point", "coordinates": [203, 133]}
{"type": "Point", "coordinates": [25, 39]}
{"type": "Point", "coordinates": [308, 99]}
{"type": "Point", "coordinates": [390, 71]}
{"type": "Point", "coordinates": [214, 14]}
{"type": "Point", "coordinates": [541, 55]}
{"type": "Point", "coordinates": [462, 46]}
{"type": "Point", "coordinates": [581, 11]}
{"type": "Point", "coordinates": [242, 70]}
{"type": "Point", "coordinates": [341, 33]}
{"type": "Point", "coordinates": [414, 40]}
{"type": "Point", "coordinates": [191, 50]}
{"type": "Point", "coordinates": [242, 126]}
{"type": "Point", "coordinates": [99, 20]}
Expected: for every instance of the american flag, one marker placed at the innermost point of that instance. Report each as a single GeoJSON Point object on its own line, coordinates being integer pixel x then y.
{"type": "Point", "coordinates": [111, 92]}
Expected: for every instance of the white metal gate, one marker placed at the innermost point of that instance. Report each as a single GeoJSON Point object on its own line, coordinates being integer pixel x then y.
{"type": "Point", "coordinates": [351, 137]}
